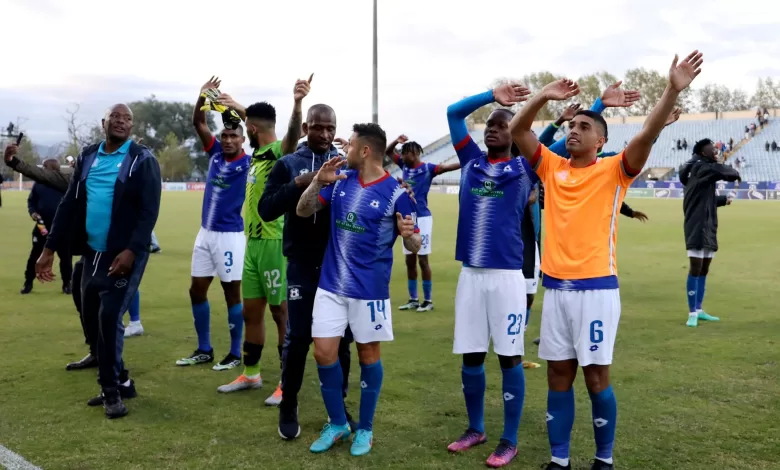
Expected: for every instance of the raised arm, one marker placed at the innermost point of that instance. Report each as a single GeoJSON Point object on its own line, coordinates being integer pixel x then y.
{"type": "Point", "coordinates": [51, 178]}
{"type": "Point", "coordinates": [520, 126]}
{"type": "Point", "coordinates": [227, 100]}
{"type": "Point", "coordinates": [681, 74]}
{"type": "Point", "coordinates": [290, 140]}
{"type": "Point", "coordinates": [447, 167]}
{"type": "Point", "coordinates": [390, 151]}
{"type": "Point", "coordinates": [547, 137]}
{"type": "Point", "coordinates": [720, 172]}
{"type": "Point", "coordinates": [199, 116]}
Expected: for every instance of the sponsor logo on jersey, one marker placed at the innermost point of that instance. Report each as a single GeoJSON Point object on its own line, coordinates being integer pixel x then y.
{"type": "Point", "coordinates": [488, 189]}
{"type": "Point", "coordinates": [350, 224]}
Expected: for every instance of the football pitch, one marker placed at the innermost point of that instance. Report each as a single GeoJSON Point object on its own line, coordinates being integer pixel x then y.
{"type": "Point", "coordinates": [704, 398]}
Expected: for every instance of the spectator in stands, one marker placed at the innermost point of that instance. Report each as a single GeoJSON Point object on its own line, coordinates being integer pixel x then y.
{"type": "Point", "coordinates": [774, 146]}
{"type": "Point", "coordinates": [685, 144]}
{"type": "Point", "coordinates": [731, 144]}
{"type": "Point", "coordinates": [766, 115]}
{"type": "Point", "coordinates": [752, 129]}
{"type": "Point", "coordinates": [679, 144]}
{"type": "Point", "coordinates": [766, 146]}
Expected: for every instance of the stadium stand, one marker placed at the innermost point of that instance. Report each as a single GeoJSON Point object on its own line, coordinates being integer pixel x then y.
{"type": "Point", "coordinates": [666, 158]}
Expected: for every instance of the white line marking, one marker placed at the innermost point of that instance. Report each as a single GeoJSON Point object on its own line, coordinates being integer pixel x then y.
{"type": "Point", "coordinates": [13, 461]}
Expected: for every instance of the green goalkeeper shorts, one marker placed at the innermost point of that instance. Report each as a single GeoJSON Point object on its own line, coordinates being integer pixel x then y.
{"type": "Point", "coordinates": [265, 271]}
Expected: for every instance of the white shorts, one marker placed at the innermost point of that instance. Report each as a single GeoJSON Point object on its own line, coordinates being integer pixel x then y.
{"type": "Point", "coordinates": [425, 224]}
{"type": "Point", "coordinates": [490, 303]}
{"type": "Point", "coordinates": [532, 284]}
{"type": "Point", "coordinates": [701, 254]}
{"type": "Point", "coordinates": [369, 320]}
{"type": "Point", "coordinates": [579, 325]}
{"type": "Point", "coordinates": [220, 254]}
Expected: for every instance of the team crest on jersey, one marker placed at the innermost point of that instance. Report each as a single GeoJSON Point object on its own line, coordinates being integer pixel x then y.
{"type": "Point", "coordinates": [350, 224]}
{"type": "Point", "coordinates": [488, 189]}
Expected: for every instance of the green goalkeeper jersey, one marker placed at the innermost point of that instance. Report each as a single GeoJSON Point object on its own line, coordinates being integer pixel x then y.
{"type": "Point", "coordinates": [263, 159]}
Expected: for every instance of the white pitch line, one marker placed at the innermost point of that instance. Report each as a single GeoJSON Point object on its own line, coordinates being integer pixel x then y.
{"type": "Point", "coordinates": [13, 461]}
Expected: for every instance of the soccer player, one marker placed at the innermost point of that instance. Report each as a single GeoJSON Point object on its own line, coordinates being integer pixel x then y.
{"type": "Point", "coordinates": [700, 204]}
{"type": "Point", "coordinates": [305, 240]}
{"type": "Point", "coordinates": [419, 176]}
{"type": "Point", "coordinates": [220, 244]}
{"type": "Point", "coordinates": [108, 214]}
{"type": "Point", "coordinates": [490, 298]}
{"type": "Point", "coordinates": [369, 209]}
{"type": "Point", "coordinates": [581, 307]}
{"type": "Point", "coordinates": [265, 268]}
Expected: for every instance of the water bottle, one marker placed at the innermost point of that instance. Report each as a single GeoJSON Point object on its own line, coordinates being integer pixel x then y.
{"type": "Point", "coordinates": [42, 228]}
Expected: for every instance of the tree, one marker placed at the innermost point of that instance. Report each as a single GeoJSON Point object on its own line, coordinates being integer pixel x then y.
{"type": "Point", "coordinates": [767, 94]}
{"type": "Point", "coordinates": [591, 88]}
{"type": "Point", "coordinates": [739, 100]}
{"type": "Point", "coordinates": [175, 161]}
{"type": "Point", "coordinates": [535, 82]}
{"type": "Point", "coordinates": [154, 120]}
{"type": "Point", "coordinates": [714, 98]}
{"type": "Point", "coordinates": [651, 84]}
{"type": "Point", "coordinates": [81, 134]}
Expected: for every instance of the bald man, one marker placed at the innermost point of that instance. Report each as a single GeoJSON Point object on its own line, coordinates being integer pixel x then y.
{"type": "Point", "coordinates": [108, 214]}
{"type": "Point", "coordinates": [42, 205]}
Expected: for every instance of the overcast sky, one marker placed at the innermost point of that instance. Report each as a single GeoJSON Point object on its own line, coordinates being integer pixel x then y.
{"type": "Point", "coordinates": [431, 52]}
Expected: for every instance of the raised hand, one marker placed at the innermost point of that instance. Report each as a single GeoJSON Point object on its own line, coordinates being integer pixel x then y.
{"type": "Point", "coordinates": [343, 143]}
{"type": "Point", "coordinates": [227, 100]}
{"type": "Point", "coordinates": [327, 173]}
{"type": "Point", "coordinates": [402, 139]}
{"type": "Point", "coordinates": [569, 112]}
{"type": "Point", "coordinates": [561, 89]}
{"type": "Point", "coordinates": [214, 82]}
{"type": "Point", "coordinates": [681, 74]}
{"type": "Point", "coordinates": [614, 97]}
{"type": "Point", "coordinates": [673, 116]}
{"type": "Point", "coordinates": [510, 93]}
{"type": "Point", "coordinates": [302, 88]}
{"type": "Point", "coordinates": [405, 225]}
{"type": "Point", "coordinates": [10, 152]}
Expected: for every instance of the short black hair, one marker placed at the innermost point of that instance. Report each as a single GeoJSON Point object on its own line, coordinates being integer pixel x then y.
{"type": "Point", "coordinates": [319, 108]}
{"type": "Point", "coordinates": [506, 110]}
{"type": "Point", "coordinates": [596, 117]}
{"type": "Point", "coordinates": [373, 134]}
{"type": "Point", "coordinates": [699, 146]}
{"type": "Point", "coordinates": [411, 147]}
{"type": "Point", "coordinates": [263, 111]}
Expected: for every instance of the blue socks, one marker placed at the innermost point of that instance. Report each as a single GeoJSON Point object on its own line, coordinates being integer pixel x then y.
{"type": "Point", "coordinates": [135, 307]}
{"type": "Point", "coordinates": [331, 387]}
{"type": "Point", "coordinates": [604, 408]}
{"type": "Point", "coordinates": [370, 384]}
{"type": "Point", "coordinates": [700, 287]}
{"type": "Point", "coordinates": [201, 313]}
{"type": "Point", "coordinates": [473, 379]}
{"type": "Point", "coordinates": [514, 395]}
{"type": "Point", "coordinates": [427, 290]}
{"type": "Point", "coordinates": [412, 283]}
{"type": "Point", "coordinates": [236, 325]}
{"type": "Point", "coordinates": [560, 420]}
{"type": "Point", "coordinates": [527, 315]}
{"type": "Point", "coordinates": [692, 286]}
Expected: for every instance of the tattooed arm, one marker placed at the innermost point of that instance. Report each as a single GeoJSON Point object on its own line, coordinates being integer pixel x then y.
{"type": "Point", "coordinates": [310, 201]}
{"type": "Point", "coordinates": [290, 140]}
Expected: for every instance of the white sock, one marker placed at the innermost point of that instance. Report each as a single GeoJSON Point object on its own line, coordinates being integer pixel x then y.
{"type": "Point", "coordinates": [561, 462]}
{"type": "Point", "coordinates": [607, 461]}
{"type": "Point", "coordinates": [126, 384]}
{"type": "Point", "coordinates": [135, 323]}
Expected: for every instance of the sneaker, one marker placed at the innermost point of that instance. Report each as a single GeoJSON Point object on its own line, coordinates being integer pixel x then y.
{"type": "Point", "coordinates": [601, 465]}
{"type": "Point", "coordinates": [330, 435]}
{"type": "Point", "coordinates": [66, 289]}
{"type": "Point", "coordinates": [426, 306]}
{"type": "Point", "coordinates": [531, 365]}
{"type": "Point", "coordinates": [411, 305]}
{"type": "Point", "coordinates": [134, 329]}
{"type": "Point", "coordinates": [276, 398]}
{"type": "Point", "coordinates": [505, 452]}
{"type": "Point", "coordinates": [242, 383]}
{"type": "Point", "coordinates": [89, 361]}
{"type": "Point", "coordinates": [353, 425]}
{"type": "Point", "coordinates": [113, 405]}
{"type": "Point", "coordinates": [537, 341]}
{"type": "Point", "coordinates": [693, 320]}
{"type": "Point", "coordinates": [155, 249]}
{"type": "Point", "coordinates": [702, 315]}
{"type": "Point", "coordinates": [555, 466]}
{"type": "Point", "coordinates": [125, 391]}
{"type": "Point", "coordinates": [469, 439]}
{"type": "Point", "coordinates": [288, 422]}
{"type": "Point", "coordinates": [362, 443]}
{"type": "Point", "coordinates": [230, 362]}
{"type": "Point", "coordinates": [198, 357]}
{"type": "Point", "coordinates": [27, 288]}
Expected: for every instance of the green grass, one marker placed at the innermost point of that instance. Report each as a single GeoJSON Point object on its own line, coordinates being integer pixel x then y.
{"type": "Point", "coordinates": [704, 398]}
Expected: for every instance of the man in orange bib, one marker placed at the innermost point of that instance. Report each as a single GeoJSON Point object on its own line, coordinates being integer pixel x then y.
{"type": "Point", "coordinates": [581, 307]}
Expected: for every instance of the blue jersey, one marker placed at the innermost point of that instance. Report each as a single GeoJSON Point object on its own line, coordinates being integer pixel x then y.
{"type": "Point", "coordinates": [419, 178]}
{"type": "Point", "coordinates": [225, 191]}
{"type": "Point", "coordinates": [359, 257]}
{"type": "Point", "coordinates": [493, 198]}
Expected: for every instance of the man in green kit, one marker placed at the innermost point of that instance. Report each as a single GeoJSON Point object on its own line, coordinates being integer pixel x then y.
{"type": "Point", "coordinates": [265, 268]}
